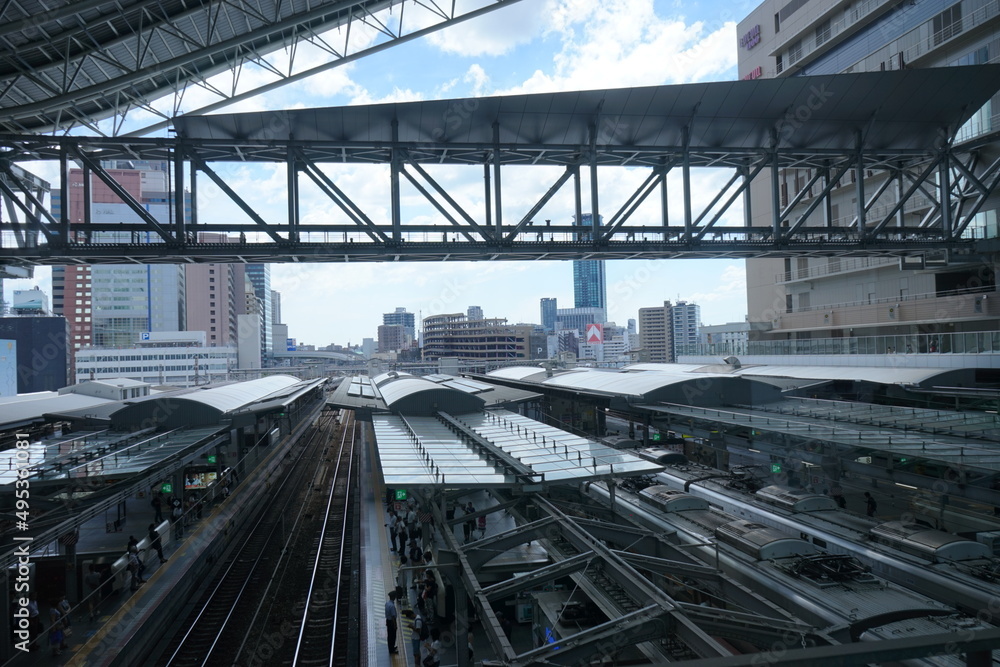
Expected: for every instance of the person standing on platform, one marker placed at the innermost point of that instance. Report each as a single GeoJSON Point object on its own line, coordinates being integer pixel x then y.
{"type": "Point", "coordinates": [393, 519]}
{"type": "Point", "coordinates": [411, 520]}
{"type": "Point", "coordinates": [430, 653]}
{"type": "Point", "coordinates": [93, 581]}
{"type": "Point", "coordinates": [57, 639]}
{"type": "Point", "coordinates": [470, 524]}
{"type": "Point", "coordinates": [390, 622]}
{"type": "Point", "coordinates": [419, 632]}
{"type": "Point", "coordinates": [64, 609]}
{"type": "Point", "coordinates": [401, 537]}
{"type": "Point", "coordinates": [157, 503]}
{"type": "Point", "coordinates": [870, 505]}
{"type": "Point", "coordinates": [154, 542]}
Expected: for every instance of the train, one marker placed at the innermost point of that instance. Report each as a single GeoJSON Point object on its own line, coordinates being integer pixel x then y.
{"type": "Point", "coordinates": [946, 567]}
{"type": "Point", "coordinates": [836, 593]}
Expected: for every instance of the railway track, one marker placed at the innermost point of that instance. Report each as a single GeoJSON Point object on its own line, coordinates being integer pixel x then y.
{"type": "Point", "coordinates": [223, 616]}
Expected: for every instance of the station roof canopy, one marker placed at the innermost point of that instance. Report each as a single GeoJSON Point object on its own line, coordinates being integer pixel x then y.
{"type": "Point", "coordinates": [25, 409]}
{"type": "Point", "coordinates": [492, 449]}
{"type": "Point", "coordinates": [400, 392]}
{"type": "Point", "coordinates": [898, 374]}
{"type": "Point", "coordinates": [675, 384]}
{"type": "Point", "coordinates": [206, 405]}
{"type": "Point", "coordinates": [893, 110]}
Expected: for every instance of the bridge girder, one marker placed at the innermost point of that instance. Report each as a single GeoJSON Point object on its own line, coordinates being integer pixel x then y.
{"type": "Point", "coordinates": [350, 233]}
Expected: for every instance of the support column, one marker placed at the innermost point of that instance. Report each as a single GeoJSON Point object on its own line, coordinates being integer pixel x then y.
{"type": "Point", "coordinates": [944, 194]}
{"type": "Point", "coordinates": [775, 189]}
{"type": "Point", "coordinates": [860, 187]}
{"type": "Point", "coordinates": [594, 199]}
{"type": "Point", "coordinates": [394, 199]}
{"type": "Point", "coordinates": [64, 202]}
{"type": "Point", "coordinates": [180, 217]}
{"type": "Point", "coordinates": [686, 173]}
{"type": "Point", "coordinates": [292, 177]}
{"type": "Point", "coordinates": [498, 206]}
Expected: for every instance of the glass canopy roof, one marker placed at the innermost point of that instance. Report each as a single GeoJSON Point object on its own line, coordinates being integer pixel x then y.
{"type": "Point", "coordinates": [492, 449]}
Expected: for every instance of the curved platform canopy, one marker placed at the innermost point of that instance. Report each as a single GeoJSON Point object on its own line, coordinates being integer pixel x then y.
{"type": "Point", "coordinates": [665, 384]}
{"type": "Point", "coordinates": [399, 392]}
{"type": "Point", "coordinates": [845, 112]}
{"type": "Point", "coordinates": [207, 405]}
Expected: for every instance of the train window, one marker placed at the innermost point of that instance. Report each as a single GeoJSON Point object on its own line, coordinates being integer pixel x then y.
{"type": "Point", "coordinates": [820, 543]}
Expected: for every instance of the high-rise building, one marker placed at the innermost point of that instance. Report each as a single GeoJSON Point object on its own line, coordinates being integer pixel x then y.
{"type": "Point", "coordinates": [685, 318]}
{"type": "Point", "coordinates": [276, 309]}
{"type": "Point", "coordinates": [579, 318]}
{"type": "Point", "coordinates": [656, 334]}
{"type": "Point", "coordinates": [406, 320]}
{"type": "Point", "coordinates": [475, 312]}
{"type": "Point", "coordinates": [930, 308]}
{"type": "Point", "coordinates": [111, 305]}
{"type": "Point", "coordinates": [549, 308]}
{"type": "Point", "coordinates": [216, 296]}
{"type": "Point", "coordinates": [589, 288]}
{"type": "Point", "coordinates": [260, 278]}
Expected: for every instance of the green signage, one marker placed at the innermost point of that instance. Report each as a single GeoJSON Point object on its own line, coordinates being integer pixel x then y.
{"type": "Point", "coordinates": [400, 494]}
{"type": "Point", "coordinates": [167, 487]}
{"type": "Point", "coordinates": [775, 468]}
{"type": "Point", "coordinates": [656, 436]}
{"type": "Point", "coordinates": [212, 458]}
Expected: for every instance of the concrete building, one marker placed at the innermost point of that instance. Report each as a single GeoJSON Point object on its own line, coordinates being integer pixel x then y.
{"type": "Point", "coordinates": [656, 333]}
{"type": "Point", "coordinates": [275, 306]}
{"type": "Point", "coordinates": [814, 305]}
{"type": "Point", "coordinates": [368, 347]}
{"type": "Point", "coordinates": [248, 339]}
{"type": "Point", "coordinates": [548, 308]}
{"type": "Point", "coordinates": [474, 312]}
{"type": "Point", "coordinates": [279, 337]}
{"type": "Point", "coordinates": [579, 318]}
{"type": "Point", "coordinates": [589, 282]}
{"type": "Point", "coordinates": [724, 339]}
{"type": "Point", "coordinates": [455, 335]}
{"type": "Point", "coordinates": [216, 296]}
{"type": "Point", "coordinates": [178, 358]}
{"type": "Point", "coordinates": [406, 320]}
{"type": "Point", "coordinates": [393, 338]}
{"type": "Point", "coordinates": [685, 318]}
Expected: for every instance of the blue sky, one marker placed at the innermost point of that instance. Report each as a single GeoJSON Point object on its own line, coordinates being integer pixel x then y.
{"type": "Point", "coordinates": [531, 46]}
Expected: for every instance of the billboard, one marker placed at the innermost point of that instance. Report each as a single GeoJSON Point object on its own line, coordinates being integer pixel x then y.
{"type": "Point", "coordinates": [290, 345]}
{"type": "Point", "coordinates": [594, 334]}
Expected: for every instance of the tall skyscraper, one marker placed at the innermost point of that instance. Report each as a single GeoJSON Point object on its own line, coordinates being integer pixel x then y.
{"type": "Point", "coordinates": [404, 319]}
{"type": "Point", "coordinates": [215, 298]}
{"type": "Point", "coordinates": [475, 312]}
{"type": "Point", "coordinates": [925, 309]}
{"type": "Point", "coordinates": [110, 305]}
{"type": "Point", "coordinates": [260, 278]}
{"type": "Point", "coordinates": [549, 308]}
{"type": "Point", "coordinates": [275, 307]}
{"type": "Point", "coordinates": [589, 290]}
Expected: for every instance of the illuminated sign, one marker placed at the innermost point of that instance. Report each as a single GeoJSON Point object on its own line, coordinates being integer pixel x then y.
{"type": "Point", "coordinates": [753, 74]}
{"type": "Point", "coordinates": [751, 38]}
{"type": "Point", "coordinates": [167, 487]}
{"type": "Point", "coordinates": [400, 494]}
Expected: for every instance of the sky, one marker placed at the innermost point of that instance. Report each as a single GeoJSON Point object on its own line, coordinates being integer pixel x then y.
{"type": "Point", "coordinates": [529, 47]}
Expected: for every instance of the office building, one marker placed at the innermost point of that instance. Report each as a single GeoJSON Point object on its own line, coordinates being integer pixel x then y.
{"type": "Point", "coordinates": [455, 335]}
{"type": "Point", "coordinates": [656, 340]}
{"type": "Point", "coordinates": [579, 318]}
{"type": "Point", "coordinates": [111, 304]}
{"type": "Point", "coordinates": [275, 307]}
{"type": "Point", "coordinates": [176, 358]}
{"type": "Point", "coordinates": [216, 296]}
{"type": "Point", "coordinates": [725, 339]}
{"type": "Point", "coordinates": [404, 319]}
{"type": "Point", "coordinates": [869, 303]}
{"type": "Point", "coordinates": [42, 352]}
{"type": "Point", "coordinates": [475, 312]}
{"type": "Point", "coordinates": [548, 313]}
{"type": "Point", "coordinates": [260, 278]}
{"type": "Point", "coordinates": [589, 284]}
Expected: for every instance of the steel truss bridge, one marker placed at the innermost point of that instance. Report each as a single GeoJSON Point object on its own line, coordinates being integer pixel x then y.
{"type": "Point", "coordinates": [916, 192]}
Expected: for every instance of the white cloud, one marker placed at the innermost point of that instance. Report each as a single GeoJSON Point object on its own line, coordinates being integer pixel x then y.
{"type": "Point", "coordinates": [495, 33]}
{"type": "Point", "coordinates": [621, 43]}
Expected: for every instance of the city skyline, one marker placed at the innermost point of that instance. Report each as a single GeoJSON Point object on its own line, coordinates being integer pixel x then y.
{"type": "Point", "coordinates": [527, 47]}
